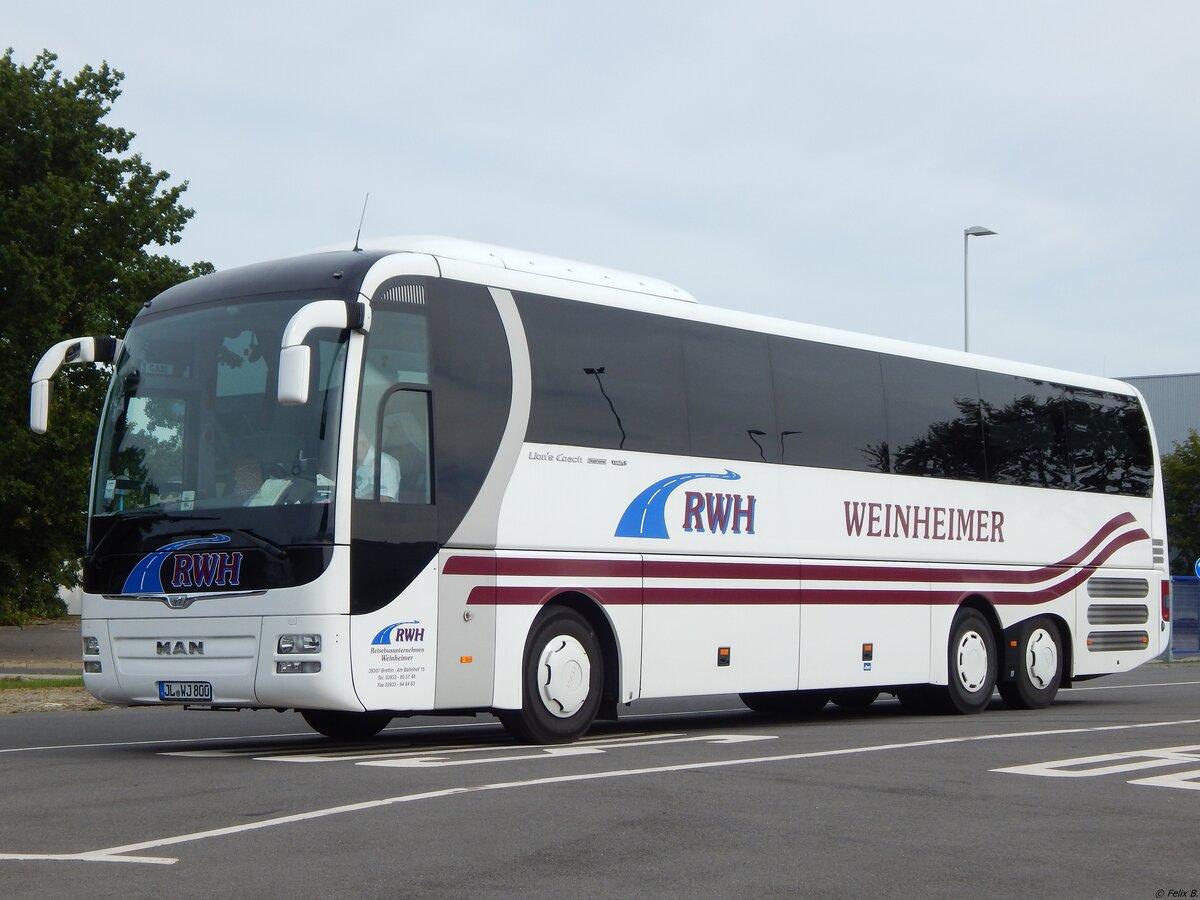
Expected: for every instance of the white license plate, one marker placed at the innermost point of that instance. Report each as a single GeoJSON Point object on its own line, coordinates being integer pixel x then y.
{"type": "Point", "coordinates": [185, 691]}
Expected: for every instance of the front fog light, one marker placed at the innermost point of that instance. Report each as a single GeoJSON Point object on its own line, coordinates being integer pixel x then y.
{"type": "Point", "coordinates": [289, 667]}
{"type": "Point", "coordinates": [91, 646]}
{"type": "Point", "coordinates": [91, 666]}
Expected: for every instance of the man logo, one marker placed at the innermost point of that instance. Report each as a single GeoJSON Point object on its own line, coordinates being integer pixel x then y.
{"type": "Point", "coordinates": [178, 648]}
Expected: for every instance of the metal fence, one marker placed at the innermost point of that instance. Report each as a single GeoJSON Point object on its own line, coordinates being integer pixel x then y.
{"type": "Point", "coordinates": [1185, 615]}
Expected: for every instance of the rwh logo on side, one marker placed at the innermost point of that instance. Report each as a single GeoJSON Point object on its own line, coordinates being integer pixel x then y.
{"type": "Point", "coordinates": [646, 515]}
{"type": "Point", "coordinates": [399, 633]}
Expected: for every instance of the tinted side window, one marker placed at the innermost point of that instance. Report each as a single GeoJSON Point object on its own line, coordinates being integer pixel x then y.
{"type": "Point", "coordinates": [933, 419]}
{"type": "Point", "coordinates": [731, 408]}
{"type": "Point", "coordinates": [829, 406]}
{"type": "Point", "coordinates": [1109, 443]}
{"type": "Point", "coordinates": [604, 377]}
{"type": "Point", "coordinates": [1025, 431]}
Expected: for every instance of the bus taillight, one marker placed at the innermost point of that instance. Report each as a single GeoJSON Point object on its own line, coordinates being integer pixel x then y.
{"type": "Point", "coordinates": [1166, 600]}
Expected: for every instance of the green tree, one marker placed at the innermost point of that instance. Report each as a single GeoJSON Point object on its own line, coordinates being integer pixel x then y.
{"type": "Point", "coordinates": [77, 214]}
{"type": "Point", "coordinates": [1181, 485]}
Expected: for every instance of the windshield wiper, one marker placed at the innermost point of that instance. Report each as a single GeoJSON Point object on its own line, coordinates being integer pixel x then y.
{"type": "Point", "coordinates": [276, 550]}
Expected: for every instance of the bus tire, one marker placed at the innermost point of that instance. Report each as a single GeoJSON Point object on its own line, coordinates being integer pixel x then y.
{"type": "Point", "coordinates": [854, 698]}
{"type": "Point", "coordinates": [346, 726]}
{"type": "Point", "coordinates": [562, 681]}
{"type": "Point", "coordinates": [1039, 666]}
{"type": "Point", "coordinates": [796, 703]}
{"type": "Point", "coordinates": [971, 655]}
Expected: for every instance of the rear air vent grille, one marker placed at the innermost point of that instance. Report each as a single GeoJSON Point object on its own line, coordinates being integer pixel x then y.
{"type": "Point", "coordinates": [1118, 614]}
{"type": "Point", "coordinates": [1107, 641]}
{"type": "Point", "coordinates": [1118, 588]}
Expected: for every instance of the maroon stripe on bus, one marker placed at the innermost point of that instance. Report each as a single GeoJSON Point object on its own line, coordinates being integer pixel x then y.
{"type": "Point", "coordinates": [865, 577]}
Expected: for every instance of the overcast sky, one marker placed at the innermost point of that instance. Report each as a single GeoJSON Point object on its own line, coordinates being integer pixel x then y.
{"type": "Point", "coordinates": [812, 160]}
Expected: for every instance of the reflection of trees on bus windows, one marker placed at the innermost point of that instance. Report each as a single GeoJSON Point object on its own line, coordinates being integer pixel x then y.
{"type": "Point", "coordinates": [1049, 436]}
{"type": "Point", "coordinates": [950, 449]}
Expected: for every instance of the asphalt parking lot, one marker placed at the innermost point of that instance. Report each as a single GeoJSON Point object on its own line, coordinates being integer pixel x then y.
{"type": "Point", "coordinates": [1097, 796]}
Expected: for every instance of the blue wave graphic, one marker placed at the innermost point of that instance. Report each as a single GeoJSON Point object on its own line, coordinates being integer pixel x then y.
{"type": "Point", "coordinates": [385, 635]}
{"type": "Point", "coordinates": [646, 516]}
{"type": "Point", "coordinates": [146, 576]}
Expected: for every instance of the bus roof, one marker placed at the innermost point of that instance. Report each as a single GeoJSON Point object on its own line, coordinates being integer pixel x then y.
{"type": "Point", "coordinates": [531, 263]}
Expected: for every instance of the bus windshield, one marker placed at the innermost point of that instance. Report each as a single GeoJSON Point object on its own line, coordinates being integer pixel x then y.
{"type": "Point", "coordinates": [192, 425]}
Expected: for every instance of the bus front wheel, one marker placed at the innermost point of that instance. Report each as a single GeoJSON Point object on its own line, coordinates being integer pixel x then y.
{"type": "Point", "coordinates": [346, 726]}
{"type": "Point", "coordinates": [562, 681]}
{"type": "Point", "coordinates": [1039, 666]}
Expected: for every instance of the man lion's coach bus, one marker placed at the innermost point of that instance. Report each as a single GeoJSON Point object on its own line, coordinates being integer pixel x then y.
{"type": "Point", "coordinates": [448, 477]}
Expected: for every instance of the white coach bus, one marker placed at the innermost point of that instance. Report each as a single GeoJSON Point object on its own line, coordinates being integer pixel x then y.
{"type": "Point", "coordinates": [448, 477]}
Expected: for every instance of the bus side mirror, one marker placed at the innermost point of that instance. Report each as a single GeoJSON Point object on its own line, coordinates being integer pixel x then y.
{"type": "Point", "coordinates": [39, 406]}
{"type": "Point", "coordinates": [293, 375]}
{"type": "Point", "coordinates": [294, 355]}
{"type": "Point", "coordinates": [68, 352]}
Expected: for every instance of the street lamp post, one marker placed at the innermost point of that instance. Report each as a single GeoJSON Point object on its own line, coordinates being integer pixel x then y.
{"type": "Point", "coordinates": [973, 231]}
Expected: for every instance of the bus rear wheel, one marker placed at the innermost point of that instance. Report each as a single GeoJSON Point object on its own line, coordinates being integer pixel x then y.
{"type": "Point", "coordinates": [1039, 666]}
{"type": "Point", "coordinates": [346, 726]}
{"type": "Point", "coordinates": [562, 681]}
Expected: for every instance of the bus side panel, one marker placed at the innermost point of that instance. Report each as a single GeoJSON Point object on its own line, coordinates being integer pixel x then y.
{"type": "Point", "coordinates": [716, 625]}
{"type": "Point", "coordinates": [512, 629]}
{"type": "Point", "coordinates": [466, 649]}
{"type": "Point", "coordinates": [724, 649]}
{"type": "Point", "coordinates": [846, 646]}
{"type": "Point", "coordinates": [393, 649]}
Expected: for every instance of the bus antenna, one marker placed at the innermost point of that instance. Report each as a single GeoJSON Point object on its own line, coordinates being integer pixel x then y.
{"type": "Point", "coordinates": [358, 249]}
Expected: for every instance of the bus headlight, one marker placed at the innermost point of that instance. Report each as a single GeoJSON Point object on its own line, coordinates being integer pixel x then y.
{"type": "Point", "coordinates": [91, 646]}
{"type": "Point", "coordinates": [299, 643]}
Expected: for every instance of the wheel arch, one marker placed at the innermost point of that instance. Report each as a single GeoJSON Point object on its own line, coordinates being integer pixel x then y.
{"type": "Point", "coordinates": [985, 607]}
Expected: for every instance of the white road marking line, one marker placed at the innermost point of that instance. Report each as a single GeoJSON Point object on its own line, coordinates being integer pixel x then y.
{"type": "Point", "coordinates": [116, 854]}
{"type": "Point", "coordinates": [365, 753]}
{"type": "Point", "coordinates": [1092, 766]}
{"type": "Point", "coordinates": [427, 761]}
{"type": "Point", "coordinates": [1188, 781]}
{"type": "Point", "coordinates": [1125, 687]}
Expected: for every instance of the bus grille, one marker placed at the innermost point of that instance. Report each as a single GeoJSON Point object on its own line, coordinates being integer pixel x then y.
{"type": "Point", "coordinates": [1104, 641]}
{"type": "Point", "coordinates": [1118, 588]}
{"type": "Point", "coordinates": [1118, 614]}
